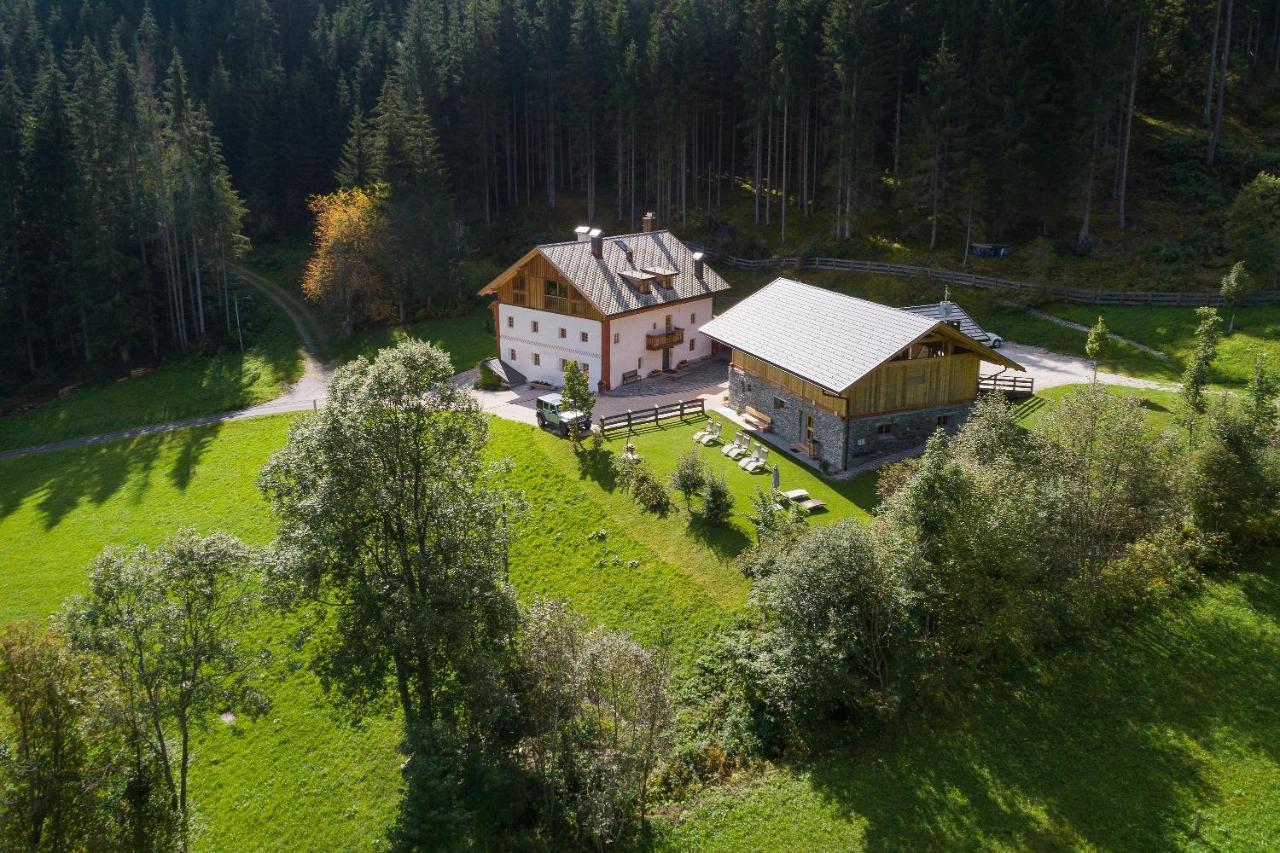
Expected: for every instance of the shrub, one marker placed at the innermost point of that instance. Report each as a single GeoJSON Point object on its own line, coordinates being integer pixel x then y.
{"type": "Point", "coordinates": [689, 476]}
{"type": "Point", "coordinates": [840, 630]}
{"type": "Point", "coordinates": [648, 492]}
{"type": "Point", "coordinates": [625, 467]}
{"type": "Point", "coordinates": [717, 500]}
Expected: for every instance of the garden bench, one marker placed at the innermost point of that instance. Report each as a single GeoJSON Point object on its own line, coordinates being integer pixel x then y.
{"type": "Point", "coordinates": [630, 376]}
{"type": "Point", "coordinates": [757, 419]}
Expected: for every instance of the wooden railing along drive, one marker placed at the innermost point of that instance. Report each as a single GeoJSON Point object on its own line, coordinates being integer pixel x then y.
{"type": "Point", "coordinates": [1014, 386]}
{"type": "Point", "coordinates": [629, 419]}
{"type": "Point", "coordinates": [1063, 294]}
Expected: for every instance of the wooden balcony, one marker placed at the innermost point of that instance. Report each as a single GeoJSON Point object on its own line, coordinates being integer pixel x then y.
{"type": "Point", "coordinates": [664, 340]}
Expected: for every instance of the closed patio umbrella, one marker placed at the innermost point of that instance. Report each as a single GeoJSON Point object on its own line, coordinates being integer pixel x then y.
{"type": "Point", "coordinates": [777, 477]}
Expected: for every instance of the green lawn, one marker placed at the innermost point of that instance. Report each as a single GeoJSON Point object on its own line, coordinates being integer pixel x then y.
{"type": "Point", "coordinates": [465, 338]}
{"type": "Point", "coordinates": [183, 388]}
{"type": "Point", "coordinates": [1162, 408]}
{"type": "Point", "coordinates": [1113, 745]}
{"type": "Point", "coordinates": [1171, 330]}
{"type": "Point", "coordinates": [1117, 745]}
{"type": "Point", "coordinates": [301, 778]}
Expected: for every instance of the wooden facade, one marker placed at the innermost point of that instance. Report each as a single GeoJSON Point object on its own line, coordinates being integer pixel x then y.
{"type": "Point", "coordinates": [535, 283]}
{"type": "Point", "coordinates": [936, 370]}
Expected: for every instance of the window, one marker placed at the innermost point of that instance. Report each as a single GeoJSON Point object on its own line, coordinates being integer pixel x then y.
{"type": "Point", "coordinates": [537, 359]}
{"type": "Point", "coordinates": [511, 322]}
{"type": "Point", "coordinates": [583, 336]}
{"type": "Point", "coordinates": [564, 364]}
{"type": "Point", "coordinates": [692, 344]}
{"type": "Point", "coordinates": [512, 353]}
{"type": "Point", "coordinates": [639, 362]}
{"type": "Point", "coordinates": [883, 429]}
{"type": "Point", "coordinates": [655, 327]}
{"type": "Point", "coordinates": [557, 289]}
{"type": "Point", "coordinates": [943, 420]}
{"type": "Point", "coordinates": [533, 325]}
{"type": "Point", "coordinates": [564, 333]}
{"type": "Point", "coordinates": [693, 318]}
{"type": "Point", "coordinates": [615, 337]}
{"type": "Point", "coordinates": [779, 403]}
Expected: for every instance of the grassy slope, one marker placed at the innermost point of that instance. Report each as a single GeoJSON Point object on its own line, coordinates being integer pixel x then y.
{"type": "Point", "coordinates": [1173, 720]}
{"type": "Point", "coordinates": [1116, 745]}
{"type": "Point", "coordinates": [184, 388]}
{"type": "Point", "coordinates": [300, 778]}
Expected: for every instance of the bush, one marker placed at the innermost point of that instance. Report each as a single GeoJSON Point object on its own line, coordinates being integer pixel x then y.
{"type": "Point", "coordinates": [840, 633]}
{"type": "Point", "coordinates": [624, 470]}
{"type": "Point", "coordinates": [689, 476]}
{"type": "Point", "coordinates": [717, 500]}
{"type": "Point", "coordinates": [648, 492]}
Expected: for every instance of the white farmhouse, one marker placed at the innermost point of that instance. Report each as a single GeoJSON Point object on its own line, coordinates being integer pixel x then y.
{"type": "Point", "coordinates": [622, 307]}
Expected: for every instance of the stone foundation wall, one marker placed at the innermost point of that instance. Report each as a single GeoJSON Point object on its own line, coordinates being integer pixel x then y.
{"type": "Point", "coordinates": [905, 430]}
{"type": "Point", "coordinates": [866, 440]}
{"type": "Point", "coordinates": [788, 421]}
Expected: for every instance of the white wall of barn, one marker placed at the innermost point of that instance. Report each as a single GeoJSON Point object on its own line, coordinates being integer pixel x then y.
{"type": "Point", "coordinates": [519, 343]}
{"type": "Point", "coordinates": [629, 352]}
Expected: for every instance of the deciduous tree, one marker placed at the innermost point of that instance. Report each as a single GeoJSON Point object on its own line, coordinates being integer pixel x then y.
{"type": "Point", "coordinates": [170, 623]}
{"type": "Point", "coordinates": [346, 270]}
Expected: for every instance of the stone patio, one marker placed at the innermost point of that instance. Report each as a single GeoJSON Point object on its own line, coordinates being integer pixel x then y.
{"type": "Point", "coordinates": [697, 376]}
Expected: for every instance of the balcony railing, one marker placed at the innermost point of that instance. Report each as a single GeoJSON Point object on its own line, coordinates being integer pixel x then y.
{"type": "Point", "coordinates": [665, 339]}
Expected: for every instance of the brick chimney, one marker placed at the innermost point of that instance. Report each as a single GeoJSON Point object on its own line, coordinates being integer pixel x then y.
{"type": "Point", "coordinates": [597, 243]}
{"type": "Point", "coordinates": [649, 222]}
{"type": "Point", "coordinates": [697, 265]}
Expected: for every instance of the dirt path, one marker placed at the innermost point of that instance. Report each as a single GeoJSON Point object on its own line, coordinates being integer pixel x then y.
{"type": "Point", "coordinates": [309, 390]}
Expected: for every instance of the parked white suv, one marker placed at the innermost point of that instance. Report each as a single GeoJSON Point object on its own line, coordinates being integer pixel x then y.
{"type": "Point", "coordinates": [549, 415]}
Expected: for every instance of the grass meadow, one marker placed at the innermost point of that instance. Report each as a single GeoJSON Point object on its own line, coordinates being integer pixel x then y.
{"type": "Point", "coordinates": [1119, 743]}
{"type": "Point", "coordinates": [183, 388]}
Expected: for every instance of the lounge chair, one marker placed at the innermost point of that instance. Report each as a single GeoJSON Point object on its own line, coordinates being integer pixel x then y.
{"type": "Point", "coordinates": [705, 431]}
{"type": "Point", "coordinates": [800, 497]}
{"type": "Point", "coordinates": [759, 462]}
{"type": "Point", "coordinates": [740, 448]}
{"type": "Point", "coordinates": [714, 435]}
{"type": "Point", "coordinates": [733, 445]}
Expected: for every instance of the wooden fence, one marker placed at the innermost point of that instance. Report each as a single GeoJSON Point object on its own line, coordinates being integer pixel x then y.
{"type": "Point", "coordinates": [1013, 386]}
{"type": "Point", "coordinates": [629, 419]}
{"type": "Point", "coordinates": [1050, 292]}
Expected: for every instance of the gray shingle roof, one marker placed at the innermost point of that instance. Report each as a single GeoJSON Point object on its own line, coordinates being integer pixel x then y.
{"type": "Point", "coordinates": [599, 281]}
{"type": "Point", "coordinates": [828, 338]}
{"type": "Point", "coordinates": [949, 312]}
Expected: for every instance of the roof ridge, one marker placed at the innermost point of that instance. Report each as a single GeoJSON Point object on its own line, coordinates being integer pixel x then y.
{"type": "Point", "coordinates": [576, 242]}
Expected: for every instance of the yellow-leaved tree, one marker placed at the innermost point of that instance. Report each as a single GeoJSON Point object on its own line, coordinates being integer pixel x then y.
{"type": "Point", "coordinates": [345, 273]}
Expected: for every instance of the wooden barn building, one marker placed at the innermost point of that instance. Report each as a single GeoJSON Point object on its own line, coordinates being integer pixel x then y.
{"type": "Point", "coordinates": [843, 380]}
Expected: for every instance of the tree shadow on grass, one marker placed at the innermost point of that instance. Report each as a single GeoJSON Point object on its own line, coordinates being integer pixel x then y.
{"type": "Point", "coordinates": [1099, 746]}
{"type": "Point", "coordinates": [597, 466]}
{"type": "Point", "coordinates": [725, 540]}
{"type": "Point", "coordinates": [64, 479]}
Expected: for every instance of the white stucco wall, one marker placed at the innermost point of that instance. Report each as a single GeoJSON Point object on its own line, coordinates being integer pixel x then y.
{"type": "Point", "coordinates": [547, 343]}
{"type": "Point", "coordinates": [629, 352]}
